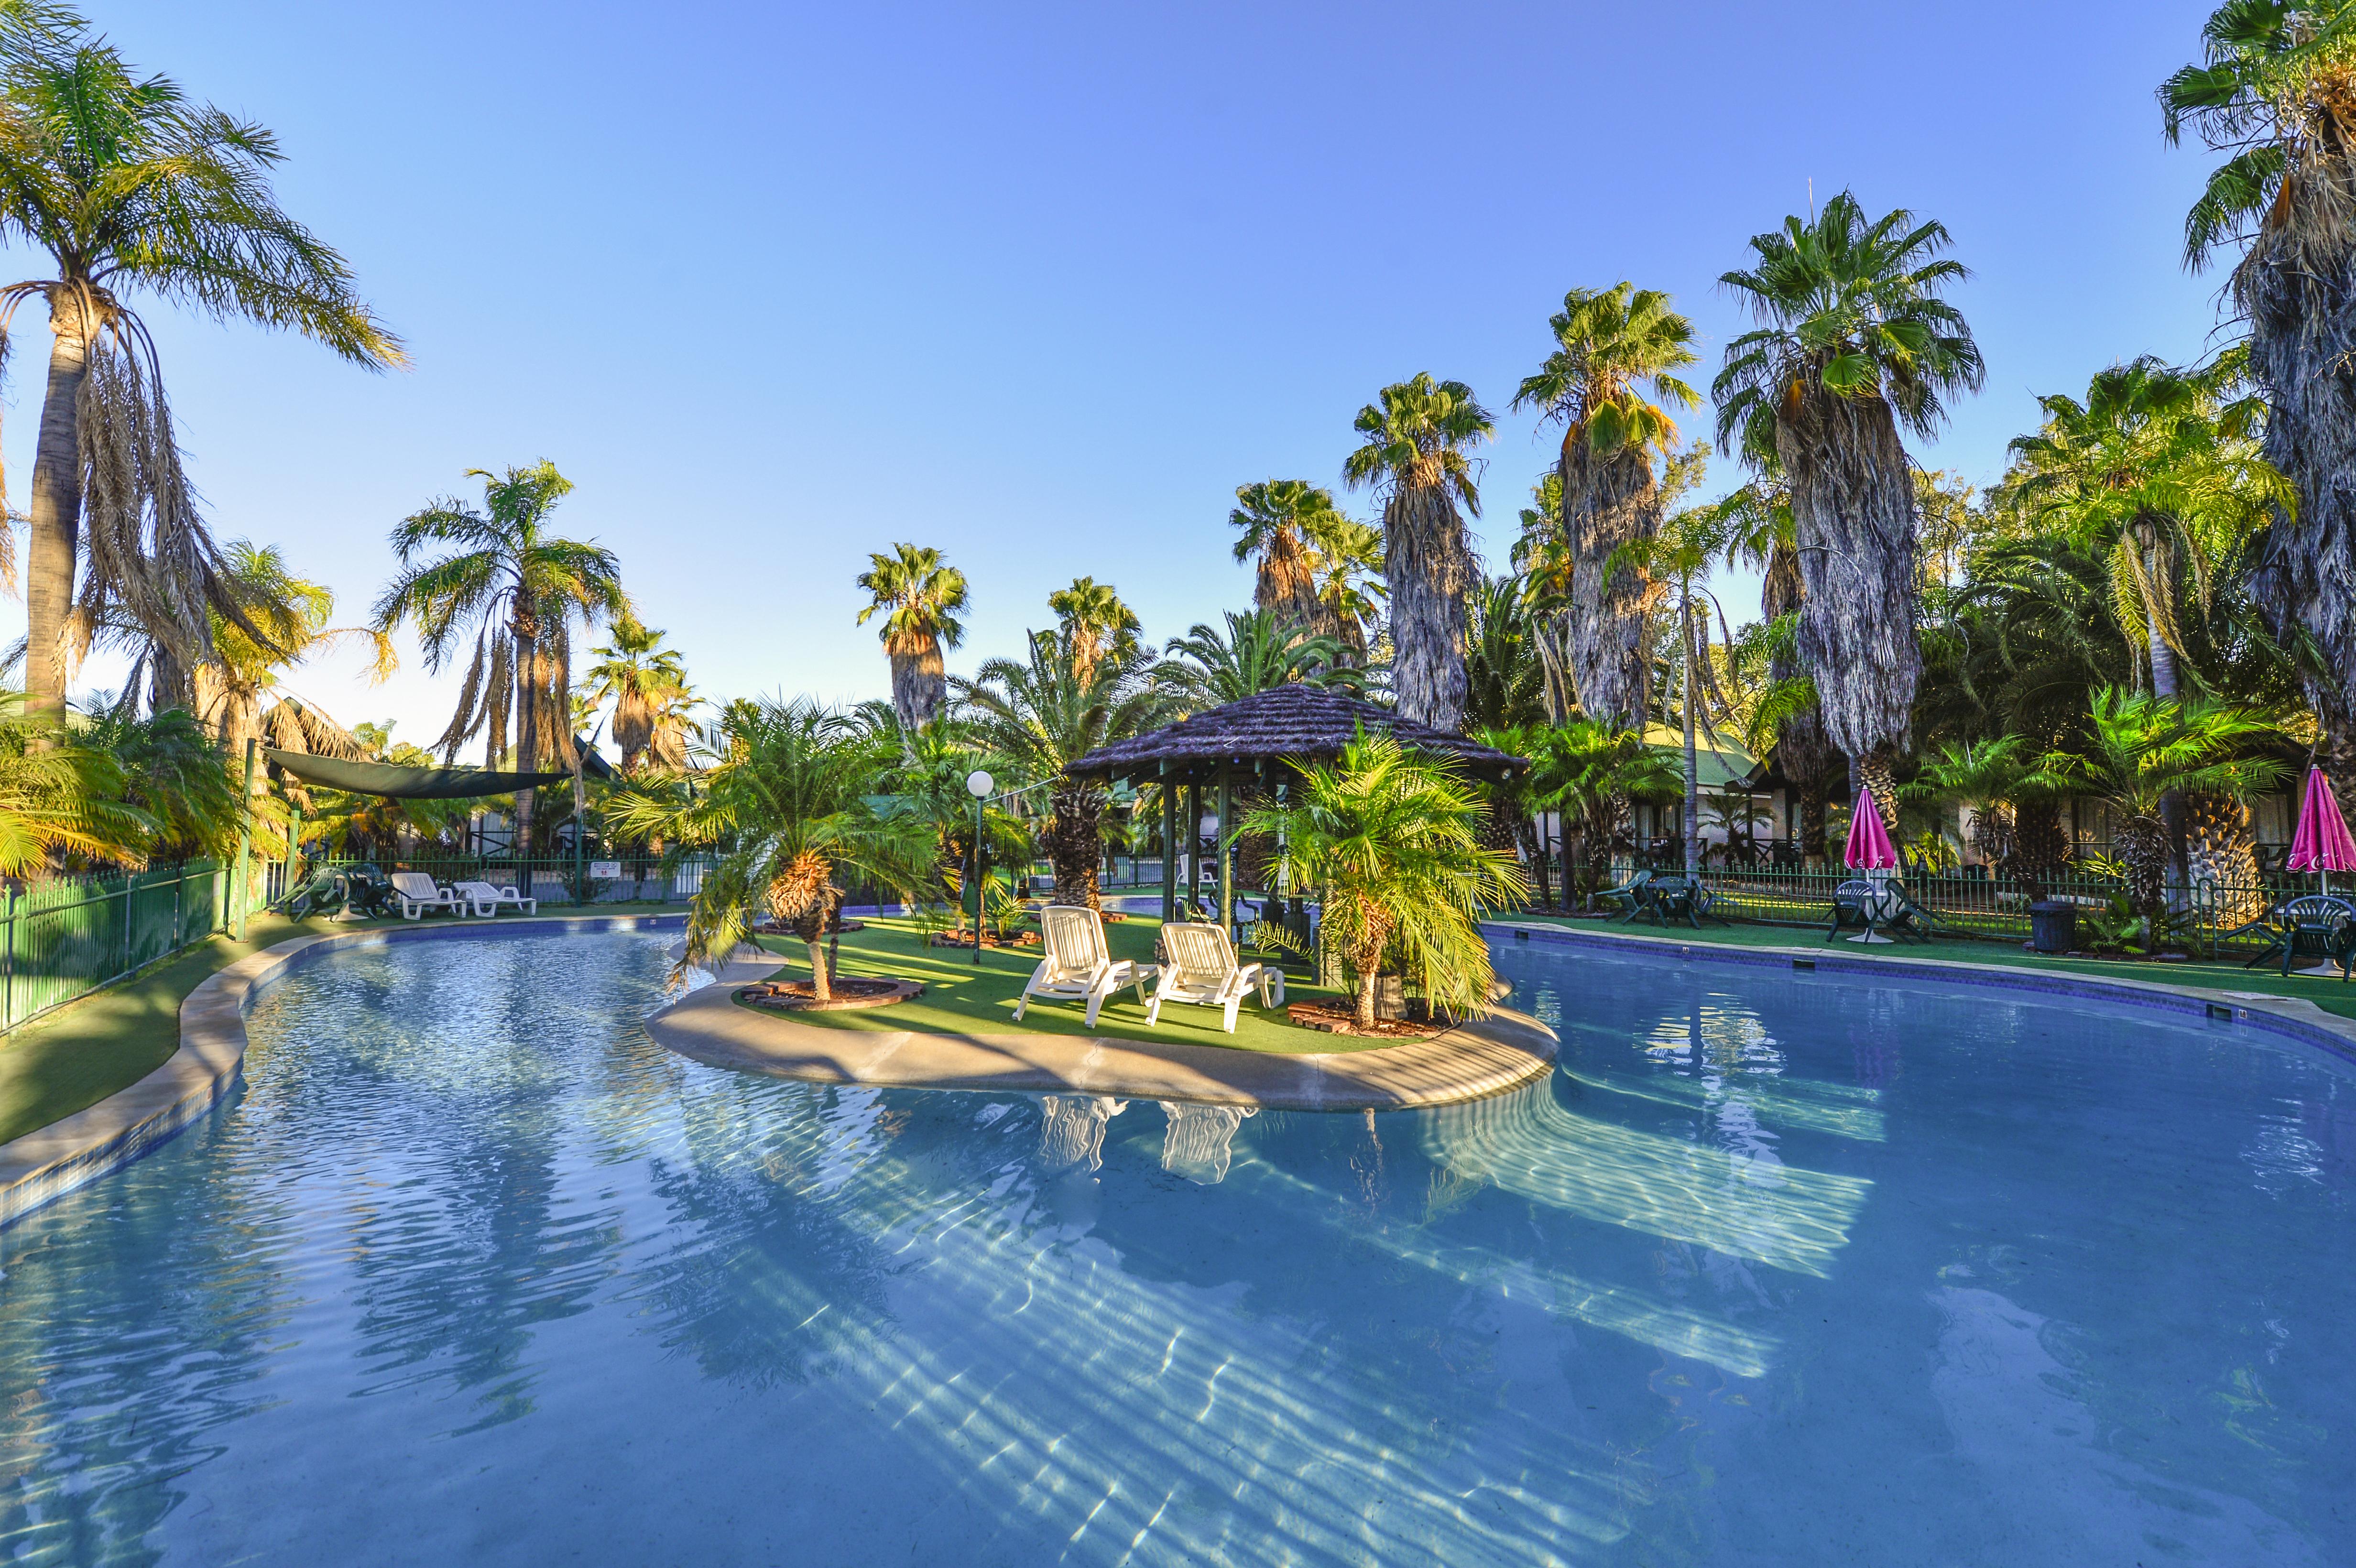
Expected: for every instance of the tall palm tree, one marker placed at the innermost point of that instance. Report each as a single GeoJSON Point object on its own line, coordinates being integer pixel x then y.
{"type": "Point", "coordinates": [1611, 344]}
{"type": "Point", "coordinates": [1254, 652]}
{"type": "Point", "coordinates": [1047, 712]}
{"type": "Point", "coordinates": [1414, 448]}
{"type": "Point", "coordinates": [1093, 623]}
{"type": "Point", "coordinates": [791, 801]}
{"type": "Point", "coordinates": [1854, 343]}
{"type": "Point", "coordinates": [925, 597]}
{"type": "Point", "coordinates": [2159, 477]}
{"type": "Point", "coordinates": [127, 186]}
{"type": "Point", "coordinates": [520, 589]}
{"type": "Point", "coordinates": [1275, 520]}
{"type": "Point", "coordinates": [641, 677]}
{"type": "Point", "coordinates": [1388, 840]}
{"type": "Point", "coordinates": [2276, 91]}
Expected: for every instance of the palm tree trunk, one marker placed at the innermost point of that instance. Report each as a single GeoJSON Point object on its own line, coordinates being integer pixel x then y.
{"type": "Point", "coordinates": [919, 684]}
{"type": "Point", "coordinates": [1429, 565]}
{"type": "Point", "coordinates": [56, 514]}
{"type": "Point", "coordinates": [2171, 805]}
{"type": "Point", "coordinates": [821, 978]}
{"type": "Point", "coordinates": [1693, 773]}
{"type": "Point", "coordinates": [1607, 503]}
{"type": "Point", "coordinates": [1363, 1007]}
{"type": "Point", "coordinates": [1852, 508]}
{"type": "Point", "coordinates": [527, 716]}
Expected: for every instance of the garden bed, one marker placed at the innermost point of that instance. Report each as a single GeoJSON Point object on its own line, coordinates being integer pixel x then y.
{"type": "Point", "coordinates": [849, 991]}
{"type": "Point", "coordinates": [1329, 1018]}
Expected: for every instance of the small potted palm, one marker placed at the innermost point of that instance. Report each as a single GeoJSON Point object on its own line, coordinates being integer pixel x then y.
{"type": "Point", "coordinates": [1388, 841]}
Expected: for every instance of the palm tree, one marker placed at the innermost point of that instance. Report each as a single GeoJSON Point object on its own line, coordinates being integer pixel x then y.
{"type": "Point", "coordinates": [925, 598]}
{"type": "Point", "coordinates": [1414, 446]}
{"type": "Point", "coordinates": [1688, 542]}
{"type": "Point", "coordinates": [1093, 623]}
{"type": "Point", "coordinates": [1610, 344]}
{"type": "Point", "coordinates": [1390, 840]}
{"type": "Point", "coordinates": [642, 678]}
{"type": "Point", "coordinates": [1504, 668]}
{"type": "Point", "coordinates": [62, 800]}
{"type": "Point", "coordinates": [1991, 778]}
{"type": "Point", "coordinates": [792, 802]}
{"type": "Point", "coordinates": [1256, 652]}
{"type": "Point", "coordinates": [2157, 475]}
{"type": "Point", "coordinates": [2276, 90]}
{"type": "Point", "coordinates": [520, 590]}
{"type": "Point", "coordinates": [1853, 342]}
{"type": "Point", "coordinates": [1047, 712]}
{"type": "Point", "coordinates": [176, 777]}
{"type": "Point", "coordinates": [2140, 751]}
{"type": "Point", "coordinates": [1275, 519]}
{"type": "Point", "coordinates": [1348, 566]}
{"type": "Point", "coordinates": [128, 187]}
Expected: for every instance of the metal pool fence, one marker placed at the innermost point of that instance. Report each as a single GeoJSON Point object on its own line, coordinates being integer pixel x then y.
{"type": "Point", "coordinates": [66, 938]}
{"type": "Point", "coordinates": [1997, 910]}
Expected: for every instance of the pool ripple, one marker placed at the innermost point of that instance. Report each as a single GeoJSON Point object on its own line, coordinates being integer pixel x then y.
{"type": "Point", "coordinates": [1772, 1271]}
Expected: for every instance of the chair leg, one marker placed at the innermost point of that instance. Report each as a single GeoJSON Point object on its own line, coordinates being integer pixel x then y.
{"type": "Point", "coordinates": [1233, 1003]}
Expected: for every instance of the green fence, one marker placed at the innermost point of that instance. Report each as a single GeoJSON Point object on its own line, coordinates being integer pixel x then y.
{"type": "Point", "coordinates": [64, 939]}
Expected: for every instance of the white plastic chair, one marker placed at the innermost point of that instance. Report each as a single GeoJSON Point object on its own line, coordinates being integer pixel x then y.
{"type": "Point", "coordinates": [483, 898]}
{"type": "Point", "coordinates": [1077, 964]}
{"type": "Point", "coordinates": [1199, 966]}
{"type": "Point", "coordinates": [418, 894]}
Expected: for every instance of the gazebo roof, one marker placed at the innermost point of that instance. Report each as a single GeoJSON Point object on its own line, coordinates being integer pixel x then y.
{"type": "Point", "coordinates": [1292, 722]}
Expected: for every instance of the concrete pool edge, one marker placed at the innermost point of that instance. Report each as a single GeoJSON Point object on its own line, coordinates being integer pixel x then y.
{"type": "Point", "coordinates": [2289, 1018]}
{"type": "Point", "coordinates": [1472, 1061]}
{"type": "Point", "coordinates": [73, 1151]}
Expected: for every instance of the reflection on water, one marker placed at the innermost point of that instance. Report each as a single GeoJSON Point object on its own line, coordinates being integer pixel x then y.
{"type": "Point", "coordinates": [1201, 1141]}
{"type": "Point", "coordinates": [472, 1271]}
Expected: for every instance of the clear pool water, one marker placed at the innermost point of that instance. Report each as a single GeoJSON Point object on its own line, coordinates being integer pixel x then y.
{"type": "Point", "coordinates": [1777, 1270]}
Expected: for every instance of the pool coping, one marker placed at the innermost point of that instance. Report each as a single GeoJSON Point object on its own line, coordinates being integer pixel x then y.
{"type": "Point", "coordinates": [1472, 1061]}
{"type": "Point", "coordinates": [73, 1151]}
{"type": "Point", "coordinates": [2287, 1017]}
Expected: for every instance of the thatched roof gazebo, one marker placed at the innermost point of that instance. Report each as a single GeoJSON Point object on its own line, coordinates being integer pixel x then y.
{"type": "Point", "coordinates": [1256, 738]}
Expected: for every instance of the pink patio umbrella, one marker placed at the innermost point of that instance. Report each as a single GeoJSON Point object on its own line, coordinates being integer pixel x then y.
{"type": "Point", "coordinates": [2322, 842]}
{"type": "Point", "coordinates": [1868, 841]}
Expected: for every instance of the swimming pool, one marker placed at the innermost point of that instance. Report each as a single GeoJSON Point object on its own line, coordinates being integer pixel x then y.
{"type": "Point", "coordinates": [1775, 1270]}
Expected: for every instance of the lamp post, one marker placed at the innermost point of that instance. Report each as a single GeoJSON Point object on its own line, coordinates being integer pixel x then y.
{"type": "Point", "coordinates": [978, 783]}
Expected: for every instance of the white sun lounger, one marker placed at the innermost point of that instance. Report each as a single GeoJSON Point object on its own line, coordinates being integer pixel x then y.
{"type": "Point", "coordinates": [1077, 964]}
{"type": "Point", "coordinates": [1199, 966]}
{"type": "Point", "coordinates": [483, 898]}
{"type": "Point", "coordinates": [418, 895]}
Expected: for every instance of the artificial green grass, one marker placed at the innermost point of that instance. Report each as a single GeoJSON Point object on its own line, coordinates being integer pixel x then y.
{"type": "Point", "coordinates": [962, 999]}
{"type": "Point", "coordinates": [2332, 994]}
{"type": "Point", "coordinates": [110, 1039]}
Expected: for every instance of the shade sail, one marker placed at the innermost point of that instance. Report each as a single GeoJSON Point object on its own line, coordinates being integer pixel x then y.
{"type": "Point", "coordinates": [405, 783]}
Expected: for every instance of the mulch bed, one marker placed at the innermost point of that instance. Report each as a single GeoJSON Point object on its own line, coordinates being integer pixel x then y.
{"type": "Point", "coordinates": [1328, 1018]}
{"type": "Point", "coordinates": [779, 928]}
{"type": "Point", "coordinates": [1020, 939]}
{"type": "Point", "coordinates": [795, 996]}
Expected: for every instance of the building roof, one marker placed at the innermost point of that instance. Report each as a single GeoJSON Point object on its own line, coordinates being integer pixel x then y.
{"type": "Point", "coordinates": [1292, 722]}
{"type": "Point", "coordinates": [1715, 767]}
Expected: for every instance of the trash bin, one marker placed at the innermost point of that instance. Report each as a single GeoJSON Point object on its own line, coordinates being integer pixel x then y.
{"type": "Point", "coordinates": [2052, 927]}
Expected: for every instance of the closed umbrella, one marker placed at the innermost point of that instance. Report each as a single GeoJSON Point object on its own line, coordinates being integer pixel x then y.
{"type": "Point", "coordinates": [1869, 848]}
{"type": "Point", "coordinates": [2322, 842]}
{"type": "Point", "coordinates": [1870, 851]}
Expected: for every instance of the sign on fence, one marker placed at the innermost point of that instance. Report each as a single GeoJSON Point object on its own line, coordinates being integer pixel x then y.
{"type": "Point", "coordinates": [606, 872]}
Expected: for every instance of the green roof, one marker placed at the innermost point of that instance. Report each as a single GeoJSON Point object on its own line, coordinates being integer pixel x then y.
{"type": "Point", "coordinates": [1715, 767]}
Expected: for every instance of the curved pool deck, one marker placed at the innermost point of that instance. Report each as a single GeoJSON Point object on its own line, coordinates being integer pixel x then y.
{"type": "Point", "coordinates": [1489, 1056]}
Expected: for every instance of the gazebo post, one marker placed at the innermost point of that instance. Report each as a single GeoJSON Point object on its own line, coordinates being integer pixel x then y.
{"type": "Point", "coordinates": [1194, 838]}
{"type": "Point", "coordinates": [1169, 848]}
{"type": "Point", "coordinates": [1226, 853]}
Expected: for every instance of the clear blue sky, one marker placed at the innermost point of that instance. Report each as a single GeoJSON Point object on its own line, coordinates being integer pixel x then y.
{"type": "Point", "coordinates": [1040, 285]}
